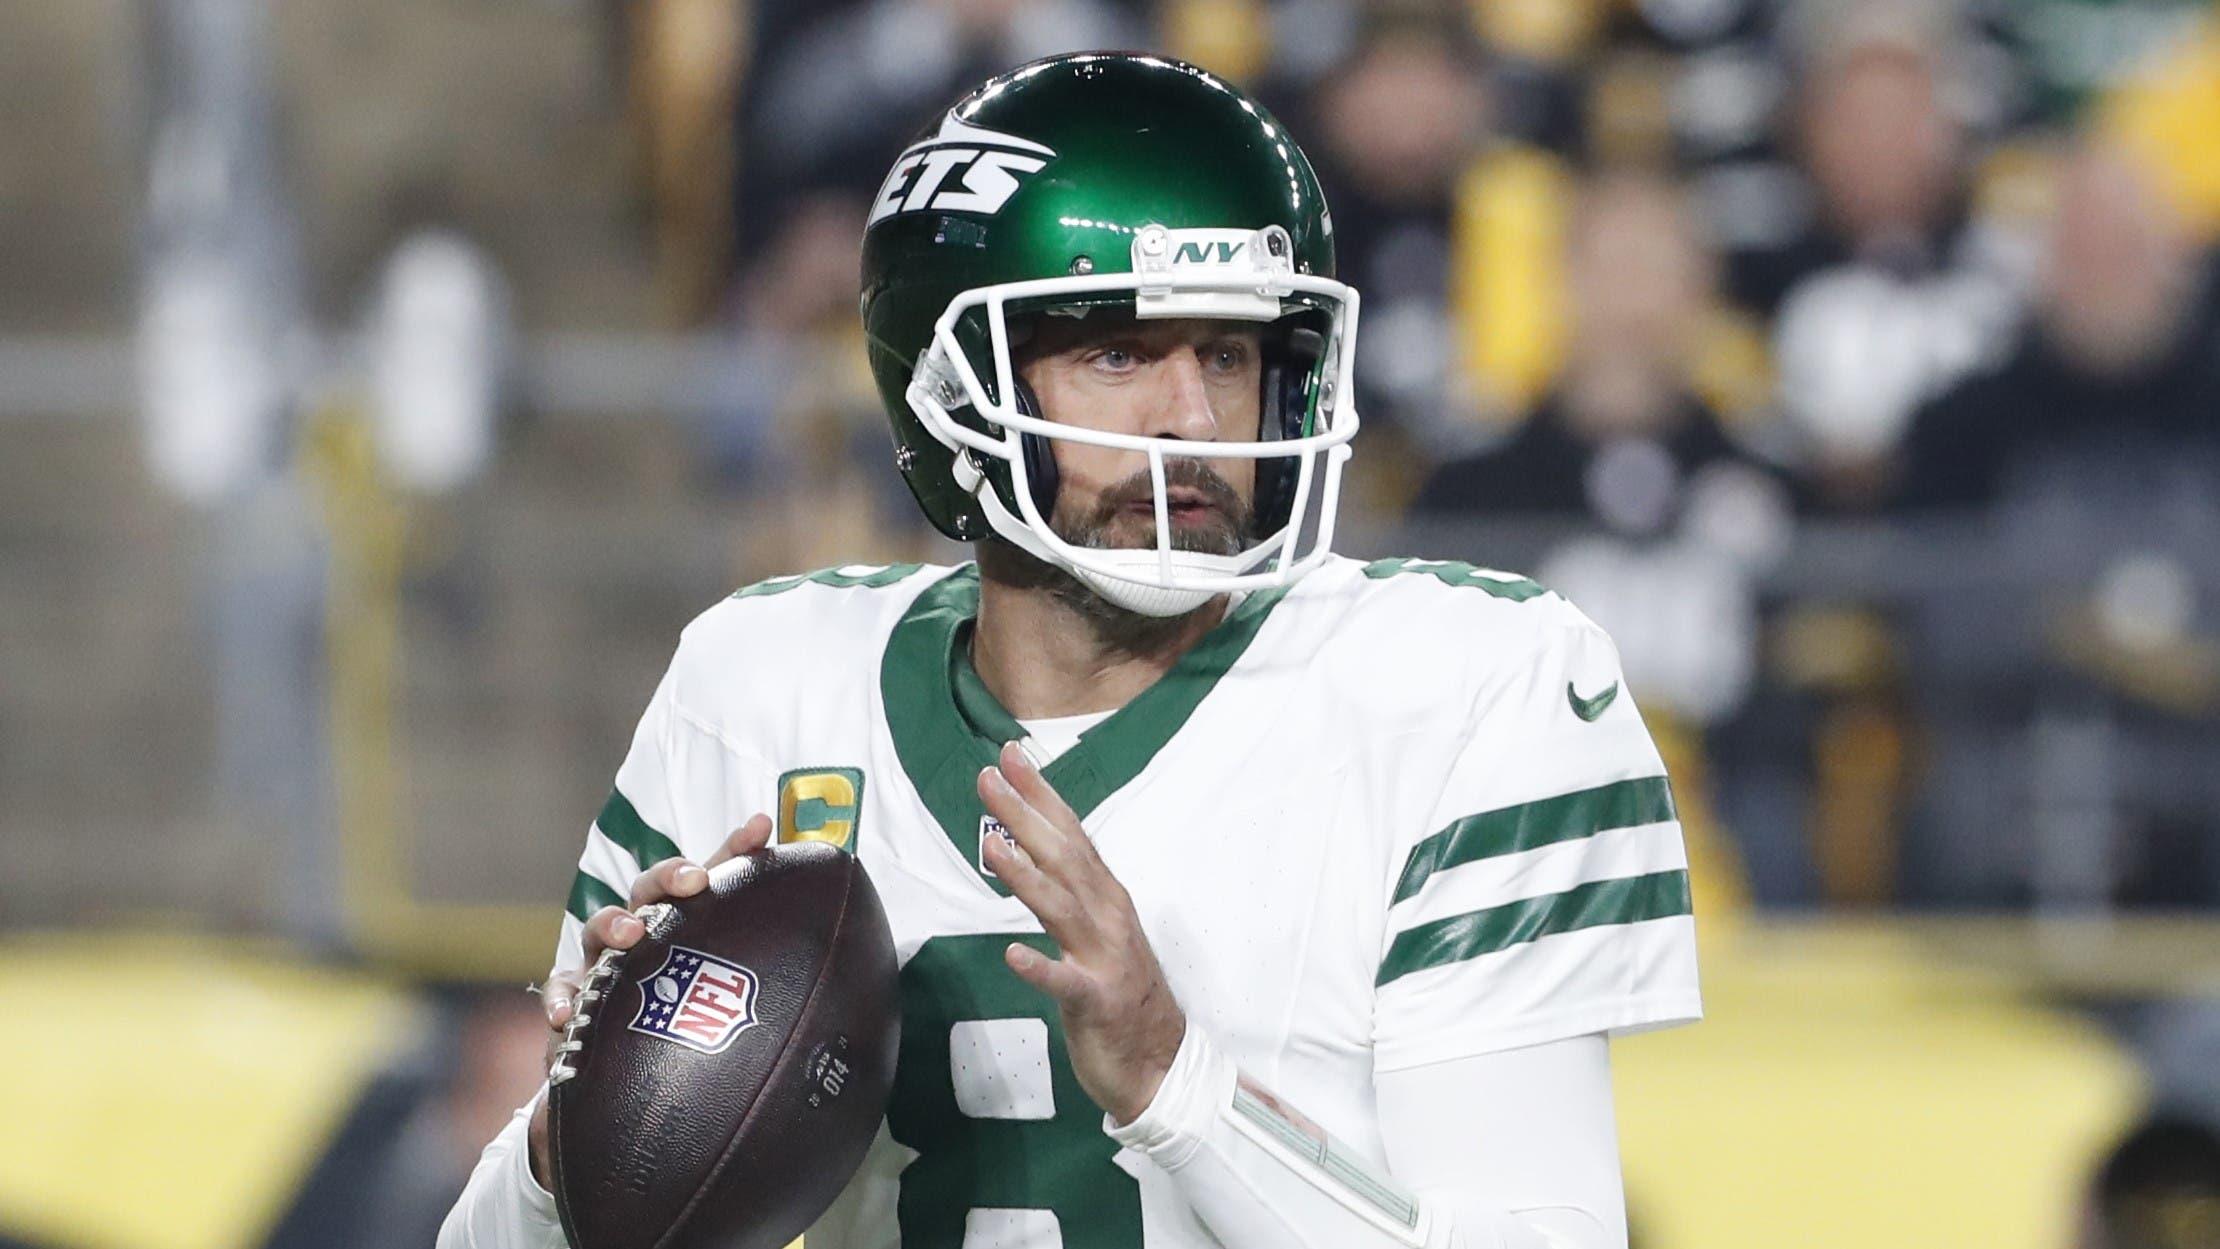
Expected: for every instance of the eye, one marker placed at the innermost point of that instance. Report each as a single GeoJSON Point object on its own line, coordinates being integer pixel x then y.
{"type": "Point", "coordinates": [1113, 359]}
{"type": "Point", "coordinates": [1227, 355]}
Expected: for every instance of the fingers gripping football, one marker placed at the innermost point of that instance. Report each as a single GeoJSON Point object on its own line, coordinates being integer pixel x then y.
{"type": "Point", "coordinates": [1119, 1016]}
{"type": "Point", "coordinates": [619, 928]}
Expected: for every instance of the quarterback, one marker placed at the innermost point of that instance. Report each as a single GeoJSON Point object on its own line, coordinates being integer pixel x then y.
{"type": "Point", "coordinates": [1246, 895]}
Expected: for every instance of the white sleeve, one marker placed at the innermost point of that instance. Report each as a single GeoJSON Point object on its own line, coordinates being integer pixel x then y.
{"type": "Point", "coordinates": [673, 794]}
{"type": "Point", "coordinates": [503, 1207]}
{"type": "Point", "coordinates": [1262, 1176]}
{"type": "Point", "coordinates": [633, 830]}
{"type": "Point", "coordinates": [1529, 1133]}
{"type": "Point", "coordinates": [1546, 893]}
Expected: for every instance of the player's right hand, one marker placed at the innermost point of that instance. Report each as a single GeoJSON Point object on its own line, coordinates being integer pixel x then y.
{"type": "Point", "coordinates": [619, 928]}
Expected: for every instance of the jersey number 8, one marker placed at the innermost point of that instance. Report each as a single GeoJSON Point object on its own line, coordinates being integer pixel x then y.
{"type": "Point", "coordinates": [1010, 1149]}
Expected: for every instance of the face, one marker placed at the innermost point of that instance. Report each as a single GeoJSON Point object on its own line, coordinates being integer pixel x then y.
{"type": "Point", "coordinates": [1881, 145]}
{"type": "Point", "coordinates": [2122, 270]}
{"type": "Point", "coordinates": [1404, 117]}
{"type": "Point", "coordinates": [1180, 380]}
{"type": "Point", "coordinates": [1637, 273]}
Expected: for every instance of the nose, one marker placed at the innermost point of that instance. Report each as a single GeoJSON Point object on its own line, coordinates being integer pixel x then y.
{"type": "Point", "coordinates": [1183, 409]}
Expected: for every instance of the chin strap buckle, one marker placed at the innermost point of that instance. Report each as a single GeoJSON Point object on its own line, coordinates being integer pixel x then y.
{"type": "Point", "coordinates": [967, 472]}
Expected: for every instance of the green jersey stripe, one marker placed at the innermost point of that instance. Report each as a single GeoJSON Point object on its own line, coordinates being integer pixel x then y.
{"type": "Point", "coordinates": [1627, 900]}
{"type": "Point", "coordinates": [620, 823]}
{"type": "Point", "coordinates": [873, 577]}
{"type": "Point", "coordinates": [1508, 830]}
{"type": "Point", "coordinates": [1456, 573]}
{"type": "Point", "coordinates": [588, 894]}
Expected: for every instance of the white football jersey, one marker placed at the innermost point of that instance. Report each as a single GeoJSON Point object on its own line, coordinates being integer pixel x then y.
{"type": "Point", "coordinates": [1402, 812]}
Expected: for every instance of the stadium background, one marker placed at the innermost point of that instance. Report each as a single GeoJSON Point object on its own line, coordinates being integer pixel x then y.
{"type": "Point", "coordinates": [383, 386]}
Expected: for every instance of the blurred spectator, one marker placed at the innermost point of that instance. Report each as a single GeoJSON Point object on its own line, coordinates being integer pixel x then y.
{"type": "Point", "coordinates": [2096, 447]}
{"type": "Point", "coordinates": [1896, 292]}
{"type": "Point", "coordinates": [1622, 444]}
{"type": "Point", "coordinates": [1874, 129]}
{"type": "Point", "coordinates": [1664, 521]}
{"type": "Point", "coordinates": [1395, 128]}
{"type": "Point", "coordinates": [2158, 1189]}
{"type": "Point", "coordinates": [2120, 361]}
{"type": "Point", "coordinates": [1622, 438]}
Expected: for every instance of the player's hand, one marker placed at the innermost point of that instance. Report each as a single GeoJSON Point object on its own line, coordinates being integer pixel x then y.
{"type": "Point", "coordinates": [619, 928]}
{"type": "Point", "coordinates": [1119, 1017]}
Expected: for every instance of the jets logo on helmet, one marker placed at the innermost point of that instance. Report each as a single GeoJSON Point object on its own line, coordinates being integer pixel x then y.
{"type": "Point", "coordinates": [962, 168]}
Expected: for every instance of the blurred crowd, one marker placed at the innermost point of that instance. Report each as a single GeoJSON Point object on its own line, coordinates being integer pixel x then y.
{"type": "Point", "coordinates": [1854, 364]}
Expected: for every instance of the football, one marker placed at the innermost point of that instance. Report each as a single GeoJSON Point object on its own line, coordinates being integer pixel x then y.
{"type": "Point", "coordinates": [723, 1078]}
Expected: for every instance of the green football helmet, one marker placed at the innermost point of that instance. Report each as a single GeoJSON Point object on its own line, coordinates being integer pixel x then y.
{"type": "Point", "coordinates": [1107, 181]}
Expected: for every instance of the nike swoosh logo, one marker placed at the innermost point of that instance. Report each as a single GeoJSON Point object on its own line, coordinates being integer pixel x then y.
{"type": "Point", "coordinates": [1590, 708]}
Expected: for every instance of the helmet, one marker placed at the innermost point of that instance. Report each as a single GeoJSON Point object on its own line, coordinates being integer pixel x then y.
{"type": "Point", "coordinates": [1107, 181]}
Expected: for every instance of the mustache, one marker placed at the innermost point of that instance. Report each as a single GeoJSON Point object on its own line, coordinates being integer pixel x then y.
{"type": "Point", "coordinates": [1180, 473]}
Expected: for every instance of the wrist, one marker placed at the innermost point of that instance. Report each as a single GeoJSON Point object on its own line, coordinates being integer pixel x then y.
{"type": "Point", "coordinates": [1152, 1082]}
{"type": "Point", "coordinates": [1188, 1097]}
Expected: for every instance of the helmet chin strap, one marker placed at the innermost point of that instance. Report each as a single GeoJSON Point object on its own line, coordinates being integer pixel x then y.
{"type": "Point", "coordinates": [1152, 600]}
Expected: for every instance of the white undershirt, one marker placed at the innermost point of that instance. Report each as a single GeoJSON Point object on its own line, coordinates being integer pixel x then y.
{"type": "Point", "coordinates": [1049, 737]}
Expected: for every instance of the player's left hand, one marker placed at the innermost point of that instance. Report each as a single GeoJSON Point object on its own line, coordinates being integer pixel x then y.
{"type": "Point", "coordinates": [1119, 1017]}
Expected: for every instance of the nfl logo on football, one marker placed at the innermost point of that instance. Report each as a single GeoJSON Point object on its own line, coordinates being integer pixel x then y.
{"type": "Point", "coordinates": [698, 1000]}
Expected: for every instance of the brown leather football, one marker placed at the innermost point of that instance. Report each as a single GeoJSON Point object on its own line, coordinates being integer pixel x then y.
{"type": "Point", "coordinates": [725, 1075]}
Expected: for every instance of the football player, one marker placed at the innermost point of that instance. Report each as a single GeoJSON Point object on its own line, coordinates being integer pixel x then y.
{"type": "Point", "coordinates": [1246, 895]}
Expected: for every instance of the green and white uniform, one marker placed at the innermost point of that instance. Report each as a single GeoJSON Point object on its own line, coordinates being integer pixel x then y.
{"type": "Point", "coordinates": [1394, 830]}
{"type": "Point", "coordinates": [1401, 813]}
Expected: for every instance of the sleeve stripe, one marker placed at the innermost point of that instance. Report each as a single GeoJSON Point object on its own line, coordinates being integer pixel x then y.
{"type": "Point", "coordinates": [623, 825]}
{"type": "Point", "coordinates": [588, 894]}
{"type": "Point", "coordinates": [1546, 821]}
{"type": "Point", "coordinates": [1611, 854]}
{"type": "Point", "coordinates": [1626, 900]}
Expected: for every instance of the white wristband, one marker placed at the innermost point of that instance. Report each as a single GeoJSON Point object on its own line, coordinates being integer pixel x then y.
{"type": "Point", "coordinates": [1199, 1084]}
{"type": "Point", "coordinates": [1256, 1172]}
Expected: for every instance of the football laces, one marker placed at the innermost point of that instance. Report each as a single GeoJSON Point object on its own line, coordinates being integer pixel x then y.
{"type": "Point", "coordinates": [581, 1017]}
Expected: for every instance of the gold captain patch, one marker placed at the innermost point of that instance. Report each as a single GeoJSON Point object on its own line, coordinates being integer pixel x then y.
{"type": "Point", "coordinates": [821, 804]}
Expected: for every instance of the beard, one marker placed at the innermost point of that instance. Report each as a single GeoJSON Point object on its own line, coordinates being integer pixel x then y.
{"type": "Point", "coordinates": [1222, 530]}
{"type": "Point", "coordinates": [1111, 524]}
